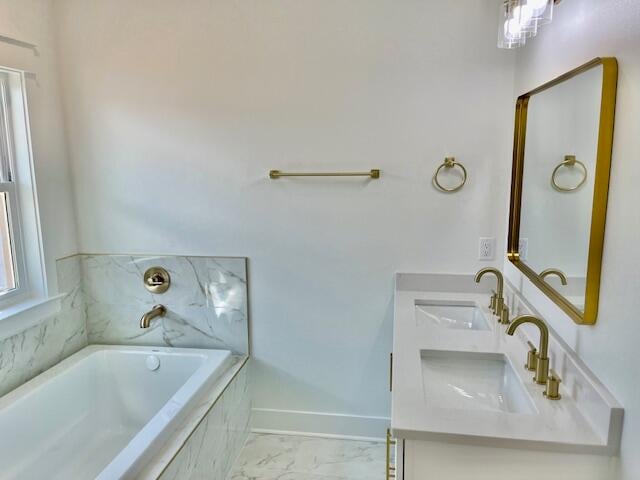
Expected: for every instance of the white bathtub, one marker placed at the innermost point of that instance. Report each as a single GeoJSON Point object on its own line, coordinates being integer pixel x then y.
{"type": "Point", "coordinates": [101, 413]}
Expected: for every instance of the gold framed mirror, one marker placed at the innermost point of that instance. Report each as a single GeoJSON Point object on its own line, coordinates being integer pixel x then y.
{"type": "Point", "coordinates": [563, 141]}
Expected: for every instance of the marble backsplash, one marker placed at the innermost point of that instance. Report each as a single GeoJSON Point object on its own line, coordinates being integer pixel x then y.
{"type": "Point", "coordinates": [31, 352]}
{"type": "Point", "coordinates": [104, 298]}
{"type": "Point", "coordinates": [206, 303]}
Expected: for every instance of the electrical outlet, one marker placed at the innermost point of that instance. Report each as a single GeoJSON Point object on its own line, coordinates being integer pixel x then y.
{"type": "Point", "coordinates": [523, 248]}
{"type": "Point", "coordinates": [486, 248]}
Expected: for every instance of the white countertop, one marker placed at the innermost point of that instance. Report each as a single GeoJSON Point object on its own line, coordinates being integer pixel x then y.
{"type": "Point", "coordinates": [562, 425]}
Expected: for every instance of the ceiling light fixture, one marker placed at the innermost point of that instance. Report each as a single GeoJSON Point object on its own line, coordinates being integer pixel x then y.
{"type": "Point", "coordinates": [520, 19]}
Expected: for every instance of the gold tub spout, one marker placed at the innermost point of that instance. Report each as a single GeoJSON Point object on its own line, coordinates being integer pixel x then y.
{"type": "Point", "coordinates": [157, 311]}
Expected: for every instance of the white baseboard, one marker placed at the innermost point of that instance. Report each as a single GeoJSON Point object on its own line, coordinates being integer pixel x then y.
{"type": "Point", "coordinates": [319, 424]}
{"type": "Point", "coordinates": [318, 435]}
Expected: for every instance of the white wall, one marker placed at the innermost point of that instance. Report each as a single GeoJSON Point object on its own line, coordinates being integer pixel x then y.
{"type": "Point", "coordinates": [581, 30]}
{"type": "Point", "coordinates": [39, 338]}
{"type": "Point", "coordinates": [177, 111]}
{"type": "Point", "coordinates": [31, 21]}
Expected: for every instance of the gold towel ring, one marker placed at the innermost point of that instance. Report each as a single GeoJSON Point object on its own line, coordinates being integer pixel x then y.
{"type": "Point", "coordinates": [568, 162]}
{"type": "Point", "coordinates": [450, 162]}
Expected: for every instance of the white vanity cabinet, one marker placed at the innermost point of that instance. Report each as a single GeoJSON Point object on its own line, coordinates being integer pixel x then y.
{"type": "Point", "coordinates": [421, 460]}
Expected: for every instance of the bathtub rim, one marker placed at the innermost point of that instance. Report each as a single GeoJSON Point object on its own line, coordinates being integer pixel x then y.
{"type": "Point", "coordinates": [45, 376]}
{"type": "Point", "coordinates": [158, 431]}
{"type": "Point", "coordinates": [154, 470]}
{"type": "Point", "coordinates": [152, 448]}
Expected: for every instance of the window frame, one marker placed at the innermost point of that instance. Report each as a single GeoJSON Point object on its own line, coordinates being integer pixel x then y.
{"type": "Point", "coordinates": [18, 185]}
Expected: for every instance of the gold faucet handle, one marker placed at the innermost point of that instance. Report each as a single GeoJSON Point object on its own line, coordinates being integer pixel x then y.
{"type": "Point", "coordinates": [492, 304]}
{"type": "Point", "coordinates": [155, 280]}
{"type": "Point", "coordinates": [532, 357]}
{"type": "Point", "coordinates": [553, 386]}
{"type": "Point", "coordinates": [499, 306]}
{"type": "Point", "coordinates": [504, 315]}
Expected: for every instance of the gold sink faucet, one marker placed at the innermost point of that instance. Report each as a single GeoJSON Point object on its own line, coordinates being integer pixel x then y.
{"type": "Point", "coordinates": [542, 364]}
{"type": "Point", "coordinates": [497, 299]}
{"type": "Point", "coordinates": [554, 271]}
{"type": "Point", "coordinates": [157, 311]}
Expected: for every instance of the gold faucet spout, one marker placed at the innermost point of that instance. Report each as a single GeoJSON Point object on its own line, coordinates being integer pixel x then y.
{"type": "Point", "coordinates": [157, 311]}
{"type": "Point", "coordinates": [542, 368]}
{"type": "Point", "coordinates": [554, 271]}
{"type": "Point", "coordinates": [497, 273]}
{"type": "Point", "coordinates": [497, 301]}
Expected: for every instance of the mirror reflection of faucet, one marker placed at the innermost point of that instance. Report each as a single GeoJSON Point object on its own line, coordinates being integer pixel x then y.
{"type": "Point", "coordinates": [554, 271]}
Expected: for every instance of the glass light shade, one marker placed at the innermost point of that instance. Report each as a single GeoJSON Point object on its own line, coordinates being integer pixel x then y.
{"type": "Point", "coordinates": [523, 15]}
{"type": "Point", "coordinates": [511, 33]}
{"type": "Point", "coordinates": [542, 10]}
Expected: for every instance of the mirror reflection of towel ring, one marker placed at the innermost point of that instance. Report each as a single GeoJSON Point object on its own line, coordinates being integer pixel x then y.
{"type": "Point", "coordinates": [569, 161]}
{"type": "Point", "coordinates": [450, 162]}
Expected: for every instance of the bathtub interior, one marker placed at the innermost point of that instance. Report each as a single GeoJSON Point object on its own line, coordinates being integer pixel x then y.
{"type": "Point", "coordinates": [88, 413]}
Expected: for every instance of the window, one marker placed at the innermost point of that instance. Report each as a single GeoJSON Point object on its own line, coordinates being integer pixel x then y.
{"type": "Point", "coordinates": [8, 279]}
{"type": "Point", "coordinates": [9, 214]}
{"type": "Point", "coordinates": [21, 266]}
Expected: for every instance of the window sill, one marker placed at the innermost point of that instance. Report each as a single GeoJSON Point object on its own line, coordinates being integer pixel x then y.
{"type": "Point", "coordinates": [18, 318]}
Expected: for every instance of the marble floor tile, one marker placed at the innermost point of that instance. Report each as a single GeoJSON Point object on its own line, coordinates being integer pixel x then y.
{"type": "Point", "coordinates": [287, 457]}
{"type": "Point", "coordinates": [279, 475]}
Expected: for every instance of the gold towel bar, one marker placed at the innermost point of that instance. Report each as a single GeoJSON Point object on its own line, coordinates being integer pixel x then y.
{"type": "Point", "coordinates": [374, 173]}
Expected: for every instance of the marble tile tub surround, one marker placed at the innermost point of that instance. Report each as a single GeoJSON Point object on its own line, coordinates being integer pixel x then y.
{"type": "Point", "coordinates": [216, 441]}
{"type": "Point", "coordinates": [31, 352]}
{"type": "Point", "coordinates": [206, 303]}
{"type": "Point", "coordinates": [285, 457]}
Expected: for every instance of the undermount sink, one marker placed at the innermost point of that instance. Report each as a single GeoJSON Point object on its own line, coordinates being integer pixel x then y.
{"type": "Point", "coordinates": [473, 381]}
{"type": "Point", "coordinates": [456, 316]}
